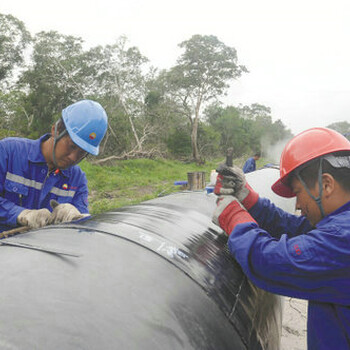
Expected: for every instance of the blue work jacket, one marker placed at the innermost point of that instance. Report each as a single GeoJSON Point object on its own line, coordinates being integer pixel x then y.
{"type": "Point", "coordinates": [285, 255]}
{"type": "Point", "coordinates": [26, 183]}
{"type": "Point", "coordinates": [249, 165]}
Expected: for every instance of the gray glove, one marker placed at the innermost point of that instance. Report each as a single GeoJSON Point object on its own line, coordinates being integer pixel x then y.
{"type": "Point", "coordinates": [34, 218]}
{"type": "Point", "coordinates": [232, 181]}
{"type": "Point", "coordinates": [65, 212]}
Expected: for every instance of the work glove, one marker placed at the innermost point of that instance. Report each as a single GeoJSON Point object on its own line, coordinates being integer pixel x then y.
{"type": "Point", "coordinates": [34, 218]}
{"type": "Point", "coordinates": [231, 181]}
{"type": "Point", "coordinates": [230, 212]}
{"type": "Point", "coordinates": [65, 212]}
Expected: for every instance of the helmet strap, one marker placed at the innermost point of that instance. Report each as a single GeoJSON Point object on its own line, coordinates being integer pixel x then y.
{"type": "Point", "coordinates": [79, 160]}
{"type": "Point", "coordinates": [55, 140]}
{"type": "Point", "coordinates": [318, 199]}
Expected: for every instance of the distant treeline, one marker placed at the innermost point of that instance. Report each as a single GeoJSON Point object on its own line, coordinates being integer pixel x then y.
{"type": "Point", "coordinates": [171, 113]}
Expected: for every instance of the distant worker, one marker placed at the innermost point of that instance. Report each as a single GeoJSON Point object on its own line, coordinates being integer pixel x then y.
{"type": "Point", "coordinates": [307, 256]}
{"type": "Point", "coordinates": [250, 164]}
{"type": "Point", "coordinates": [34, 173]}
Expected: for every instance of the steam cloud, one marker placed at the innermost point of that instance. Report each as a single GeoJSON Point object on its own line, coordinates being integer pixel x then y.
{"type": "Point", "coordinates": [272, 150]}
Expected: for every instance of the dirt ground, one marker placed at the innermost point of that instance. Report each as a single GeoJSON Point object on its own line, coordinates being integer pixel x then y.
{"type": "Point", "coordinates": [294, 324]}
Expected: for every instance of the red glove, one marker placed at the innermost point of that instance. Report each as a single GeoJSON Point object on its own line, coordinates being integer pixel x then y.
{"type": "Point", "coordinates": [225, 185]}
{"type": "Point", "coordinates": [229, 213]}
{"type": "Point", "coordinates": [247, 196]}
{"type": "Point", "coordinates": [231, 181]}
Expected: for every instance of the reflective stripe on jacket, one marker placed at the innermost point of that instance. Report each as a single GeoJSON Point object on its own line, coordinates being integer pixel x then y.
{"type": "Point", "coordinates": [286, 256]}
{"type": "Point", "coordinates": [25, 182]}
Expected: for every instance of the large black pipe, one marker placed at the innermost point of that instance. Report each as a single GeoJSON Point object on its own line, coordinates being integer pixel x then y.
{"type": "Point", "coordinates": [152, 276]}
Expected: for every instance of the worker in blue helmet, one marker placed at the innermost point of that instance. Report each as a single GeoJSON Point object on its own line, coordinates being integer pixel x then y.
{"type": "Point", "coordinates": [40, 182]}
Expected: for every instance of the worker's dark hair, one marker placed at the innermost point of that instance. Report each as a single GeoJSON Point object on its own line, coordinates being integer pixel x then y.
{"type": "Point", "coordinates": [309, 172]}
{"type": "Point", "coordinates": [257, 154]}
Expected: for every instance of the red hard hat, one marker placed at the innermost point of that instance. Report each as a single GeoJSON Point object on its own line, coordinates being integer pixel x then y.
{"type": "Point", "coordinates": [307, 145]}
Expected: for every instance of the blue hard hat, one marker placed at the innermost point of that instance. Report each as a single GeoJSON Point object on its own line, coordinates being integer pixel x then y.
{"type": "Point", "coordinates": [86, 123]}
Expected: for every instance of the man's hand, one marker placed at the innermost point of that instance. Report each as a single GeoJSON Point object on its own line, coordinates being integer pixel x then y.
{"type": "Point", "coordinates": [229, 180]}
{"type": "Point", "coordinates": [65, 212]}
{"type": "Point", "coordinates": [34, 218]}
{"type": "Point", "coordinates": [232, 181]}
{"type": "Point", "coordinates": [229, 213]}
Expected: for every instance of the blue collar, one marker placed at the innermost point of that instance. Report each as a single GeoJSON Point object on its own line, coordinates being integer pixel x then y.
{"type": "Point", "coordinates": [343, 208]}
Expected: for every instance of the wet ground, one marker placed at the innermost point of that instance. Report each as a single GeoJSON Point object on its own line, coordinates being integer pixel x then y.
{"type": "Point", "coordinates": [294, 324]}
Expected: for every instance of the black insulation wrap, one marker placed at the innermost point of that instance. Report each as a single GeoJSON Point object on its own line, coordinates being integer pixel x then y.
{"type": "Point", "coordinates": [156, 275]}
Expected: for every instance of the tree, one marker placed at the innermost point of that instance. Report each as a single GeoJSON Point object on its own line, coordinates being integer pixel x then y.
{"type": "Point", "coordinates": [342, 127]}
{"type": "Point", "coordinates": [122, 82]}
{"type": "Point", "coordinates": [13, 113]}
{"type": "Point", "coordinates": [234, 130]}
{"type": "Point", "coordinates": [171, 129]}
{"type": "Point", "coordinates": [263, 133]}
{"type": "Point", "coordinates": [246, 128]}
{"type": "Point", "coordinates": [208, 141]}
{"type": "Point", "coordinates": [13, 40]}
{"type": "Point", "coordinates": [255, 111]}
{"type": "Point", "coordinates": [54, 79]}
{"type": "Point", "coordinates": [202, 73]}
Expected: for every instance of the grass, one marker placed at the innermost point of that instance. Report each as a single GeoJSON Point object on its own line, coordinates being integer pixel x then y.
{"type": "Point", "coordinates": [133, 181]}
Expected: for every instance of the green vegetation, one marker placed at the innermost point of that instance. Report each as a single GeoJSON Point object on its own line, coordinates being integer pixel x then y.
{"type": "Point", "coordinates": [133, 181]}
{"type": "Point", "coordinates": [163, 113]}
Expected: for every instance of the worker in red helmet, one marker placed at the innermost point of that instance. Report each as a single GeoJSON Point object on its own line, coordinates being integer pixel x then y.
{"type": "Point", "coordinates": [40, 182]}
{"type": "Point", "coordinates": [307, 256]}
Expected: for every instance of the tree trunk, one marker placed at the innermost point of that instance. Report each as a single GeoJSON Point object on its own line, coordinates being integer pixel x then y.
{"type": "Point", "coordinates": [139, 145]}
{"type": "Point", "coordinates": [135, 133]}
{"type": "Point", "coordinates": [194, 133]}
{"type": "Point", "coordinates": [195, 151]}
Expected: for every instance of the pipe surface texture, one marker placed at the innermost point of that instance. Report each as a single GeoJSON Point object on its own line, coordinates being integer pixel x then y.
{"type": "Point", "coordinates": [152, 276]}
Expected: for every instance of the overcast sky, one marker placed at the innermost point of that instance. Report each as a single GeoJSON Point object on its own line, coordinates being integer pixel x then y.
{"type": "Point", "coordinates": [297, 51]}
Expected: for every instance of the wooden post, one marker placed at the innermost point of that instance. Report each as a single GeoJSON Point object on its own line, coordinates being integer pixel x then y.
{"type": "Point", "coordinates": [196, 180]}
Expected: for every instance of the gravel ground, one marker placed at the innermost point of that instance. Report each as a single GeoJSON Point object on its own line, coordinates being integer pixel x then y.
{"type": "Point", "coordinates": [294, 324]}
